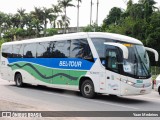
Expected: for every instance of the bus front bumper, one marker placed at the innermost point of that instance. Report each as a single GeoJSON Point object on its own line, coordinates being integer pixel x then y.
{"type": "Point", "coordinates": [131, 90]}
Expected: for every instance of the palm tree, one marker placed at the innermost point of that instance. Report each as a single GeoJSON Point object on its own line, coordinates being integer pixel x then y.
{"type": "Point", "coordinates": [29, 24]}
{"type": "Point", "coordinates": [97, 12]}
{"type": "Point", "coordinates": [16, 20]}
{"type": "Point", "coordinates": [38, 14]}
{"type": "Point", "coordinates": [59, 23]}
{"type": "Point", "coordinates": [65, 21]}
{"type": "Point", "coordinates": [56, 9]}
{"type": "Point", "coordinates": [64, 4]}
{"type": "Point", "coordinates": [91, 13]}
{"type": "Point", "coordinates": [52, 20]}
{"type": "Point", "coordinates": [78, 15]}
{"type": "Point", "coordinates": [46, 15]}
{"type": "Point", "coordinates": [37, 19]}
{"type": "Point", "coordinates": [22, 17]}
{"type": "Point", "coordinates": [36, 23]}
{"type": "Point", "coordinates": [2, 17]}
{"type": "Point", "coordinates": [7, 22]}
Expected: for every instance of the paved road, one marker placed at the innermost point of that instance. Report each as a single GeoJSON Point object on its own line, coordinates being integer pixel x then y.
{"type": "Point", "coordinates": [49, 99]}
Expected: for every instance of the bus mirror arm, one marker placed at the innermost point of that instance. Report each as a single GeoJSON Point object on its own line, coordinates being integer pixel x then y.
{"type": "Point", "coordinates": [153, 51]}
{"type": "Point", "coordinates": [122, 47]}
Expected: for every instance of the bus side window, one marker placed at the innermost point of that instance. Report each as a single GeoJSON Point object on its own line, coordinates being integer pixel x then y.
{"type": "Point", "coordinates": [44, 50]}
{"type": "Point", "coordinates": [17, 51]}
{"type": "Point", "coordinates": [81, 49]}
{"type": "Point", "coordinates": [112, 60]}
{"type": "Point", "coordinates": [61, 49]}
{"type": "Point", "coordinates": [29, 50]}
{"type": "Point", "coordinates": [7, 51]}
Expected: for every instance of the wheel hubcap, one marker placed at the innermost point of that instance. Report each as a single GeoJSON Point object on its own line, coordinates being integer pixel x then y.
{"type": "Point", "coordinates": [87, 89]}
{"type": "Point", "coordinates": [18, 80]}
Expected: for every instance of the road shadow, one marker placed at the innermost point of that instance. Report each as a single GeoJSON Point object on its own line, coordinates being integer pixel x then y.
{"type": "Point", "coordinates": [99, 97]}
{"type": "Point", "coordinates": [47, 89]}
{"type": "Point", "coordinates": [120, 99]}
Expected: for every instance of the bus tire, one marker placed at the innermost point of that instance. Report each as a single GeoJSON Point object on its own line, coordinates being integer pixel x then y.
{"type": "Point", "coordinates": [18, 80]}
{"type": "Point", "coordinates": [159, 90]}
{"type": "Point", "coordinates": [87, 89]}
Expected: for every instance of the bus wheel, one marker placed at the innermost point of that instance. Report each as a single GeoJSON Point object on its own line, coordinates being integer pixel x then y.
{"type": "Point", "coordinates": [87, 89]}
{"type": "Point", "coordinates": [18, 80]}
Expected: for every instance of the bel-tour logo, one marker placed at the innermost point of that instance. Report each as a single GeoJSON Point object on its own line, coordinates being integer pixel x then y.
{"type": "Point", "coordinates": [70, 63]}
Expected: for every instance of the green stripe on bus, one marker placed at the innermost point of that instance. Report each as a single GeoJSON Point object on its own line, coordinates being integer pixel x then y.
{"type": "Point", "coordinates": [49, 75]}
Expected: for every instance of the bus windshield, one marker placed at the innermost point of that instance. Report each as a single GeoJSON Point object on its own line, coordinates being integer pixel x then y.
{"type": "Point", "coordinates": [137, 63]}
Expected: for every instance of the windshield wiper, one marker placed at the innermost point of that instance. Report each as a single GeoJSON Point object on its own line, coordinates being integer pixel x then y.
{"type": "Point", "coordinates": [135, 62]}
{"type": "Point", "coordinates": [144, 66]}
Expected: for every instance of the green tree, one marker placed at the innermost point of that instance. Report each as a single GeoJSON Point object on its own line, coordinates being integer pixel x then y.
{"type": "Point", "coordinates": [51, 31]}
{"type": "Point", "coordinates": [56, 9]}
{"type": "Point", "coordinates": [15, 34]}
{"type": "Point", "coordinates": [154, 24]}
{"type": "Point", "coordinates": [64, 4]}
{"type": "Point", "coordinates": [139, 30]}
{"type": "Point", "coordinates": [46, 15]}
{"type": "Point", "coordinates": [125, 27]}
{"type": "Point", "coordinates": [22, 17]}
{"type": "Point", "coordinates": [153, 42]}
{"type": "Point", "coordinates": [92, 28]}
{"type": "Point", "coordinates": [37, 20]}
{"type": "Point", "coordinates": [2, 19]}
{"type": "Point", "coordinates": [37, 25]}
{"type": "Point", "coordinates": [136, 11]}
{"type": "Point", "coordinates": [129, 4]}
{"type": "Point", "coordinates": [60, 24]}
{"type": "Point", "coordinates": [30, 25]}
{"type": "Point", "coordinates": [148, 7]}
{"type": "Point", "coordinates": [114, 15]}
{"type": "Point", "coordinates": [7, 22]}
{"type": "Point", "coordinates": [65, 21]}
{"type": "Point", "coordinates": [16, 20]}
{"type": "Point", "coordinates": [113, 18]}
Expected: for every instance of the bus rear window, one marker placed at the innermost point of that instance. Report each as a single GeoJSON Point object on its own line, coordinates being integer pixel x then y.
{"type": "Point", "coordinates": [7, 51]}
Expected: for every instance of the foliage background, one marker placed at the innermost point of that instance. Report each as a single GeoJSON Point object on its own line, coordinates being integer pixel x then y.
{"type": "Point", "coordinates": [139, 20]}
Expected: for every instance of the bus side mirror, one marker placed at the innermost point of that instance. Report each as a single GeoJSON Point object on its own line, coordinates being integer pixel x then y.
{"type": "Point", "coordinates": [153, 51]}
{"type": "Point", "coordinates": [122, 47]}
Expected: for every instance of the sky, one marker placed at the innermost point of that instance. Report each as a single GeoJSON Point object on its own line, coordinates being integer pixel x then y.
{"type": "Point", "coordinates": [11, 6]}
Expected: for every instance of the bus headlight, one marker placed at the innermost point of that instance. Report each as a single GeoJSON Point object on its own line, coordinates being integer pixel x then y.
{"type": "Point", "coordinates": [128, 82]}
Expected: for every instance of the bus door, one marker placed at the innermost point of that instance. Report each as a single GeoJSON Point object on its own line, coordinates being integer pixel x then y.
{"type": "Point", "coordinates": [112, 70]}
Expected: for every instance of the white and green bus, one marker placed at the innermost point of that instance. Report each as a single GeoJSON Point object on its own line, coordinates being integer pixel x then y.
{"type": "Point", "coordinates": [88, 62]}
